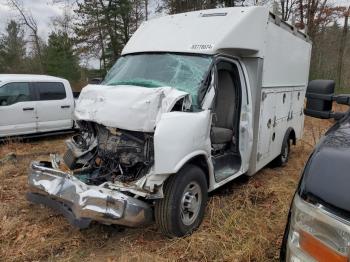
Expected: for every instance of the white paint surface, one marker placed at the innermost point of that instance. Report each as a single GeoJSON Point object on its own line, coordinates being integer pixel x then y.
{"type": "Point", "coordinates": [179, 136]}
{"type": "Point", "coordinates": [47, 115]}
{"type": "Point", "coordinates": [126, 107]}
{"type": "Point", "coordinates": [242, 28]}
{"type": "Point", "coordinates": [286, 59]}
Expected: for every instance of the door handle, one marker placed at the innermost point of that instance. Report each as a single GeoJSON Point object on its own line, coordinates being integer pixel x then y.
{"type": "Point", "coordinates": [28, 108]}
{"type": "Point", "coordinates": [67, 106]}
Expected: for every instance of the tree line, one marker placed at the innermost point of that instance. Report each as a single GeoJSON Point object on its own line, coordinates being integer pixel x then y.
{"type": "Point", "coordinates": [99, 29]}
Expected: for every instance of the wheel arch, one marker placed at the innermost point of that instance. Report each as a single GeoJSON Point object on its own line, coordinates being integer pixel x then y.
{"type": "Point", "coordinates": [199, 159]}
{"type": "Point", "coordinates": [202, 162]}
{"type": "Point", "coordinates": [290, 135]}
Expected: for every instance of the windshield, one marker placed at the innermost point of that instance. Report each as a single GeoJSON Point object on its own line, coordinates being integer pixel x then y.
{"type": "Point", "coordinates": [183, 72]}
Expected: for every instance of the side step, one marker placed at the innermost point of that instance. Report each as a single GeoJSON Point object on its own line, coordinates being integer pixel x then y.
{"type": "Point", "coordinates": [226, 165]}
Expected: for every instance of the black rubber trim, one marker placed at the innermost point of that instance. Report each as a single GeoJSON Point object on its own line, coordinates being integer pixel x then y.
{"type": "Point", "coordinates": [61, 208]}
{"type": "Point", "coordinates": [287, 137]}
{"type": "Point", "coordinates": [41, 134]}
{"type": "Point", "coordinates": [28, 109]}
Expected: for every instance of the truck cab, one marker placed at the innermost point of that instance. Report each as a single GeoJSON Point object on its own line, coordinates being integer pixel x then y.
{"type": "Point", "coordinates": [318, 226]}
{"type": "Point", "coordinates": [196, 100]}
{"type": "Point", "coordinates": [34, 104]}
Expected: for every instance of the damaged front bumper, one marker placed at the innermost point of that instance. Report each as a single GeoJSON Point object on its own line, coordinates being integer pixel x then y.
{"type": "Point", "coordinates": [81, 203]}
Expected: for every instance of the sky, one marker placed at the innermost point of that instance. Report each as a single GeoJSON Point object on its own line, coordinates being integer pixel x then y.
{"type": "Point", "coordinates": [44, 10]}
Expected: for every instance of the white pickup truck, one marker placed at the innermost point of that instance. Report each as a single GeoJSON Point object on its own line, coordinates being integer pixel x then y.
{"type": "Point", "coordinates": [34, 105]}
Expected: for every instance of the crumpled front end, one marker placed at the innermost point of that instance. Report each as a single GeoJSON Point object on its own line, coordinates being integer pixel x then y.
{"type": "Point", "coordinates": [132, 108]}
{"type": "Point", "coordinates": [81, 203]}
{"type": "Point", "coordinates": [110, 159]}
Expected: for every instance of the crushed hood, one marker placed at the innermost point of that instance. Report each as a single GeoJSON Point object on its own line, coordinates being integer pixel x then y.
{"type": "Point", "coordinates": [127, 107]}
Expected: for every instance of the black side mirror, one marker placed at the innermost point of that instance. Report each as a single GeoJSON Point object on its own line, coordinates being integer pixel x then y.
{"type": "Point", "coordinates": [319, 96]}
{"type": "Point", "coordinates": [95, 81]}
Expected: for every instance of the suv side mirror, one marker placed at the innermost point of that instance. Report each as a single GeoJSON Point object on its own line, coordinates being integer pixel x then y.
{"type": "Point", "coordinates": [319, 96]}
{"type": "Point", "coordinates": [96, 81]}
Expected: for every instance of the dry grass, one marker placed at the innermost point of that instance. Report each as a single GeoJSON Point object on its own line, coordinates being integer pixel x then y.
{"type": "Point", "coordinates": [244, 220]}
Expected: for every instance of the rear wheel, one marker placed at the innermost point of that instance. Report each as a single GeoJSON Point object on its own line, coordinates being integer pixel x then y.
{"type": "Point", "coordinates": [182, 209]}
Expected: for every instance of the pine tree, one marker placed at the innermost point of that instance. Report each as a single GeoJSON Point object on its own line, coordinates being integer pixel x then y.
{"type": "Point", "coordinates": [104, 27]}
{"type": "Point", "coordinates": [12, 49]}
{"type": "Point", "coordinates": [60, 59]}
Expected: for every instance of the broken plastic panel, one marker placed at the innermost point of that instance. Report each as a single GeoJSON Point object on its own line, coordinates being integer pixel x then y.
{"type": "Point", "coordinates": [183, 72]}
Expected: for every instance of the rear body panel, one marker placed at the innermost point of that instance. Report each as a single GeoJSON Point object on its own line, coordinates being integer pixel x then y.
{"type": "Point", "coordinates": [56, 114]}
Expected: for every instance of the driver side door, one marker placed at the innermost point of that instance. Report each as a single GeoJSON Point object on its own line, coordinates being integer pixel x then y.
{"type": "Point", "coordinates": [17, 109]}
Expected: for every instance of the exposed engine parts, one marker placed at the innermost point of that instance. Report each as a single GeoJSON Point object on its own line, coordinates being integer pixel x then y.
{"type": "Point", "coordinates": [99, 154]}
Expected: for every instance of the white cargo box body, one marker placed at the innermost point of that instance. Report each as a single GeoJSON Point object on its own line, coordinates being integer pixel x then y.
{"type": "Point", "coordinates": [197, 100]}
{"type": "Point", "coordinates": [273, 54]}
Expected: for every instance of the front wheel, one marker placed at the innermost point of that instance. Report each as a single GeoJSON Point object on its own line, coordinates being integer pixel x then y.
{"type": "Point", "coordinates": [182, 209]}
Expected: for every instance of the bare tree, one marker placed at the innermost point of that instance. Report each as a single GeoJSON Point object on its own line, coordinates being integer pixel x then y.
{"type": "Point", "coordinates": [287, 8]}
{"type": "Point", "coordinates": [146, 9]}
{"type": "Point", "coordinates": [64, 22]}
{"type": "Point", "coordinates": [342, 47]}
{"type": "Point", "coordinates": [27, 19]}
{"type": "Point", "coordinates": [314, 15]}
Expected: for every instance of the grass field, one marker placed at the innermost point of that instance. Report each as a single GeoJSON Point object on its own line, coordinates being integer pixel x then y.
{"type": "Point", "coordinates": [244, 220]}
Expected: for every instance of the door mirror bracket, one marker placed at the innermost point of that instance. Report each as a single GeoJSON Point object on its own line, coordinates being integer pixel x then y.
{"type": "Point", "coordinates": [209, 97]}
{"type": "Point", "coordinates": [320, 97]}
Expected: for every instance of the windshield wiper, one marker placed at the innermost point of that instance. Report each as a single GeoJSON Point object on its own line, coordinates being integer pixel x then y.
{"type": "Point", "coordinates": [138, 82]}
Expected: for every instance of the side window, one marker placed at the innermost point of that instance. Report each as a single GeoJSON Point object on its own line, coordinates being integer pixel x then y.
{"type": "Point", "coordinates": [50, 90]}
{"type": "Point", "coordinates": [13, 93]}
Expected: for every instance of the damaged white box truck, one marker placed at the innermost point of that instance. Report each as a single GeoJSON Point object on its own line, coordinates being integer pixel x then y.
{"type": "Point", "coordinates": [196, 100]}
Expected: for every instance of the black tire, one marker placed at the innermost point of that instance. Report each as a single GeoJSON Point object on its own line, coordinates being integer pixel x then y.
{"type": "Point", "coordinates": [175, 209]}
{"type": "Point", "coordinates": [283, 158]}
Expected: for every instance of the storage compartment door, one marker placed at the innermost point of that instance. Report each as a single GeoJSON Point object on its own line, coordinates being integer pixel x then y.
{"type": "Point", "coordinates": [296, 114]}
{"type": "Point", "coordinates": [283, 105]}
{"type": "Point", "coordinates": [266, 125]}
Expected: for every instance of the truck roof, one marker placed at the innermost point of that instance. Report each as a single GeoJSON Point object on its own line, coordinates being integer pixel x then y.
{"type": "Point", "coordinates": [212, 31]}
{"type": "Point", "coordinates": [27, 77]}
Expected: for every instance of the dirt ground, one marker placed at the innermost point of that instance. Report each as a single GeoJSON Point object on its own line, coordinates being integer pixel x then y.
{"type": "Point", "coordinates": [244, 220]}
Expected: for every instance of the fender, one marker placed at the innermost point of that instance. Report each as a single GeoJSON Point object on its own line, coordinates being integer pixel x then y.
{"type": "Point", "coordinates": [179, 136]}
{"type": "Point", "coordinates": [189, 157]}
